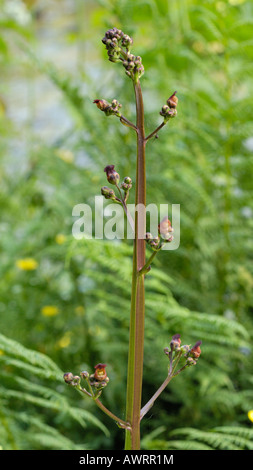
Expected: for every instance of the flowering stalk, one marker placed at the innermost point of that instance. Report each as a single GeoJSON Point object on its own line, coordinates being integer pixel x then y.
{"type": "Point", "coordinates": [136, 334]}
{"type": "Point", "coordinates": [118, 47]}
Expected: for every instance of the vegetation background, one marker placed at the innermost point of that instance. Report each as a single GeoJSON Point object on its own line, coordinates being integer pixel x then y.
{"type": "Point", "coordinates": [65, 303]}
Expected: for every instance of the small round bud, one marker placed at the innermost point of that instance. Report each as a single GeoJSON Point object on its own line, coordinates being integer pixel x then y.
{"type": "Point", "coordinates": [68, 377]}
{"type": "Point", "coordinates": [84, 374]}
{"type": "Point", "coordinates": [107, 193]}
{"type": "Point", "coordinates": [124, 186]}
{"type": "Point", "coordinates": [127, 180]}
{"type": "Point", "coordinates": [149, 236]}
{"type": "Point", "coordinates": [190, 361]}
{"type": "Point", "coordinates": [76, 380]}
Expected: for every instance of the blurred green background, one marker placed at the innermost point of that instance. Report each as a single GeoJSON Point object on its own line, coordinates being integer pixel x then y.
{"type": "Point", "coordinates": [69, 300]}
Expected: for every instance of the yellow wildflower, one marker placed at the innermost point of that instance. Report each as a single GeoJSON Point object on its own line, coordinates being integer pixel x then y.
{"type": "Point", "coordinates": [65, 155]}
{"type": "Point", "coordinates": [60, 238]}
{"type": "Point", "coordinates": [250, 415]}
{"type": "Point", "coordinates": [49, 310]}
{"type": "Point", "coordinates": [65, 341]}
{"type": "Point", "coordinates": [27, 264]}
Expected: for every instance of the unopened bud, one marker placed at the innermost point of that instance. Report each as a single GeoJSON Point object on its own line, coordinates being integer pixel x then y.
{"type": "Point", "coordinates": [190, 361]}
{"type": "Point", "coordinates": [127, 180]}
{"type": "Point", "coordinates": [165, 226]}
{"type": "Point", "coordinates": [127, 183]}
{"type": "Point", "coordinates": [175, 342]}
{"type": "Point", "coordinates": [173, 100]}
{"type": "Point", "coordinates": [149, 236]}
{"type": "Point", "coordinates": [107, 193]}
{"type": "Point", "coordinates": [166, 351]}
{"type": "Point", "coordinates": [68, 377]}
{"type": "Point", "coordinates": [195, 351]}
{"type": "Point", "coordinates": [112, 175]}
{"type": "Point", "coordinates": [101, 104]}
{"type": "Point", "coordinates": [84, 374]}
{"type": "Point", "coordinates": [76, 380]}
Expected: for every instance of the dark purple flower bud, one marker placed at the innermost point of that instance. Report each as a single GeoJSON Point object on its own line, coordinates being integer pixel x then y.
{"type": "Point", "coordinates": [112, 175]}
{"type": "Point", "coordinates": [175, 342]}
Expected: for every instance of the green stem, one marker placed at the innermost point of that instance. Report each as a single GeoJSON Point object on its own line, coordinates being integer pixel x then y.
{"type": "Point", "coordinates": [123, 202]}
{"type": "Point", "coordinates": [146, 266]}
{"type": "Point", "coordinates": [136, 334]}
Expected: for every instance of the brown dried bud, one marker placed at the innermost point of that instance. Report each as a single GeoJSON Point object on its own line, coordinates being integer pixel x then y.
{"type": "Point", "coordinates": [172, 100]}
{"type": "Point", "coordinates": [195, 351]}
{"type": "Point", "coordinates": [100, 372]}
{"type": "Point", "coordinates": [112, 175]}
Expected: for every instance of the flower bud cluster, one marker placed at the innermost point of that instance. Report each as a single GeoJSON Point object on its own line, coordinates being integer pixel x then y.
{"type": "Point", "coordinates": [133, 66]}
{"type": "Point", "coordinates": [109, 108]}
{"type": "Point", "coordinates": [113, 178]}
{"type": "Point", "coordinates": [169, 111]}
{"type": "Point", "coordinates": [153, 242]}
{"type": "Point", "coordinates": [164, 235]}
{"type": "Point", "coordinates": [191, 354]}
{"type": "Point", "coordinates": [98, 380]}
{"type": "Point", "coordinates": [118, 49]}
{"type": "Point", "coordinates": [127, 184]}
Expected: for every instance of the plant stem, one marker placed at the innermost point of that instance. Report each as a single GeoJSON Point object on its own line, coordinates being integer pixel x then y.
{"type": "Point", "coordinates": [127, 123]}
{"type": "Point", "coordinates": [170, 376]}
{"type": "Point", "coordinates": [146, 266]}
{"type": "Point", "coordinates": [150, 403]}
{"type": "Point", "coordinates": [136, 334]}
{"type": "Point", "coordinates": [155, 131]}
{"type": "Point", "coordinates": [129, 218]}
{"type": "Point", "coordinates": [121, 422]}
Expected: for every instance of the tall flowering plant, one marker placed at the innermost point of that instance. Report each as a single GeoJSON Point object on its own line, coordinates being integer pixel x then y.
{"type": "Point", "coordinates": [118, 46]}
